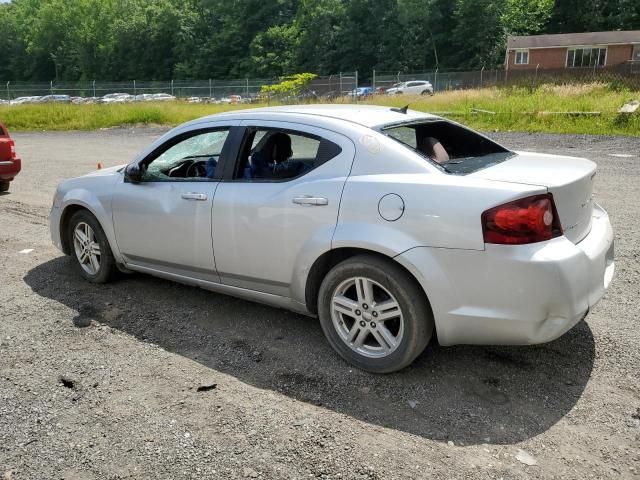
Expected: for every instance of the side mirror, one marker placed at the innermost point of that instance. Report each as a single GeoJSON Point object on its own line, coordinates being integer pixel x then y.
{"type": "Point", "coordinates": [133, 173]}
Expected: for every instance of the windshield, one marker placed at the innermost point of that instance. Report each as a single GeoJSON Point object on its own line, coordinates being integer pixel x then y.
{"type": "Point", "coordinates": [456, 149]}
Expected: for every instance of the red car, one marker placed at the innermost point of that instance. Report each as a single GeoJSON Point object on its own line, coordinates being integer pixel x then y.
{"type": "Point", "coordinates": [10, 164]}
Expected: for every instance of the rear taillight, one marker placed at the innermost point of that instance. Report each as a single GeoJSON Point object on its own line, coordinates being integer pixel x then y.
{"type": "Point", "coordinates": [528, 220]}
{"type": "Point", "coordinates": [12, 149]}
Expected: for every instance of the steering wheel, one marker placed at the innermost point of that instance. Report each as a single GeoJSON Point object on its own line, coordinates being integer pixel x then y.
{"type": "Point", "coordinates": [196, 169]}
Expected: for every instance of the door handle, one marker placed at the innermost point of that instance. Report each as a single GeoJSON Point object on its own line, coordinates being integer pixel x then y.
{"type": "Point", "coordinates": [309, 200]}
{"type": "Point", "coordinates": [194, 196]}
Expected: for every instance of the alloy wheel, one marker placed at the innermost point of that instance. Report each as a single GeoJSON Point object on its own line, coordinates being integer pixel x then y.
{"type": "Point", "coordinates": [87, 248]}
{"type": "Point", "coordinates": [367, 317]}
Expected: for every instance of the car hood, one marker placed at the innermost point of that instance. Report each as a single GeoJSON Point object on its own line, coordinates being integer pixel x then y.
{"type": "Point", "coordinates": [106, 171]}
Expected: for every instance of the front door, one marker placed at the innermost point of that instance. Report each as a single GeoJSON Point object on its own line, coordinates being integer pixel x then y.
{"type": "Point", "coordinates": [164, 221]}
{"type": "Point", "coordinates": [282, 201]}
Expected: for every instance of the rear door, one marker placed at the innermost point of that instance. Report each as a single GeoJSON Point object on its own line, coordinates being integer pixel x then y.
{"type": "Point", "coordinates": [262, 227]}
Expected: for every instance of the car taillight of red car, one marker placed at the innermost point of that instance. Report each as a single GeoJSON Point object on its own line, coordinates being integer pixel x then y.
{"type": "Point", "coordinates": [10, 164]}
{"type": "Point", "coordinates": [527, 220]}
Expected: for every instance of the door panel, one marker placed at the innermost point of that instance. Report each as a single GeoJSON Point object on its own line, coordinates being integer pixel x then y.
{"type": "Point", "coordinates": [262, 229]}
{"type": "Point", "coordinates": [157, 228]}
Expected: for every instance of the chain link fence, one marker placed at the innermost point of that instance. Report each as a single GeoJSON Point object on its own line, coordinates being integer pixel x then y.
{"type": "Point", "coordinates": [344, 84]}
{"type": "Point", "coordinates": [326, 87]}
{"type": "Point", "coordinates": [626, 75]}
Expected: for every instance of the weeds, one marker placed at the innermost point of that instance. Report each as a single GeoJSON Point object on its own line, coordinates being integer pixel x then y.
{"type": "Point", "coordinates": [548, 108]}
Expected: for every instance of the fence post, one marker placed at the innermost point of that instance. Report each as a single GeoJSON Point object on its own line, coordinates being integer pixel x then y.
{"type": "Point", "coordinates": [373, 82]}
{"type": "Point", "coordinates": [172, 87]}
{"type": "Point", "coordinates": [435, 80]}
{"type": "Point", "coordinates": [210, 94]}
{"type": "Point", "coordinates": [51, 86]}
{"type": "Point", "coordinates": [134, 88]}
{"type": "Point", "coordinates": [94, 89]}
{"type": "Point", "coordinates": [481, 73]}
{"type": "Point", "coordinates": [8, 92]}
{"type": "Point", "coordinates": [340, 85]}
{"type": "Point", "coordinates": [536, 77]}
{"type": "Point", "coordinates": [247, 88]}
{"type": "Point", "coordinates": [355, 90]}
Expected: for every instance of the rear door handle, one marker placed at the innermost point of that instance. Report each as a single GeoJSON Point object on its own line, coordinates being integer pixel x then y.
{"type": "Point", "coordinates": [194, 196]}
{"type": "Point", "coordinates": [309, 200]}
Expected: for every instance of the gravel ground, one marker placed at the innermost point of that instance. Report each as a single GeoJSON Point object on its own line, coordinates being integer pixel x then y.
{"type": "Point", "coordinates": [144, 378]}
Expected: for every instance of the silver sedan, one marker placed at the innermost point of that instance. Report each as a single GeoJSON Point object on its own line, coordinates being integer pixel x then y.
{"type": "Point", "coordinates": [385, 223]}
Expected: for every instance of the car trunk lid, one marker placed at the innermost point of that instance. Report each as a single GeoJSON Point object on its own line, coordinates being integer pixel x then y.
{"type": "Point", "coordinates": [568, 179]}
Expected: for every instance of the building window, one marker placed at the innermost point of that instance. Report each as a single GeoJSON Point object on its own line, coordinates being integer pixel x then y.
{"type": "Point", "coordinates": [522, 57]}
{"type": "Point", "coordinates": [586, 57]}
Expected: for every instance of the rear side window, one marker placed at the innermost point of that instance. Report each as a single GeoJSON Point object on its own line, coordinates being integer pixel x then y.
{"type": "Point", "coordinates": [459, 150]}
{"type": "Point", "coordinates": [270, 154]}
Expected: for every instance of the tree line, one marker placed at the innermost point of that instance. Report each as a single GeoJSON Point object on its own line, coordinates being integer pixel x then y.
{"type": "Point", "coordinates": [200, 39]}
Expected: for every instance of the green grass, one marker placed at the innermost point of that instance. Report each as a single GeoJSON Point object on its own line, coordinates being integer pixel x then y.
{"type": "Point", "coordinates": [554, 109]}
{"type": "Point", "coordinates": [93, 117]}
{"type": "Point", "coordinates": [545, 109]}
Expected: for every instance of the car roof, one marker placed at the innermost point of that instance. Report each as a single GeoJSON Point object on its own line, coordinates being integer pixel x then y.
{"type": "Point", "coordinates": [365, 115]}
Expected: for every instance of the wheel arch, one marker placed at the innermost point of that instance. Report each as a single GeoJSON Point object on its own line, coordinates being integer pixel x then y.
{"type": "Point", "coordinates": [65, 217]}
{"type": "Point", "coordinates": [329, 259]}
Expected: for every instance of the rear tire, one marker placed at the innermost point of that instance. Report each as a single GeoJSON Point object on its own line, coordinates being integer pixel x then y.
{"type": "Point", "coordinates": [374, 314]}
{"type": "Point", "coordinates": [90, 248]}
{"type": "Point", "coordinates": [4, 186]}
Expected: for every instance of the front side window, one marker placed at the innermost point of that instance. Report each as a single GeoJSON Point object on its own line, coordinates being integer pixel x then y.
{"type": "Point", "coordinates": [190, 159]}
{"type": "Point", "coordinates": [522, 57]}
{"type": "Point", "coordinates": [270, 154]}
{"type": "Point", "coordinates": [586, 57]}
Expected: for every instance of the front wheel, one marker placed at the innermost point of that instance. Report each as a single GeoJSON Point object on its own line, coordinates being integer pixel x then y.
{"type": "Point", "coordinates": [91, 248]}
{"type": "Point", "coordinates": [374, 314]}
{"type": "Point", "coordinates": [4, 186]}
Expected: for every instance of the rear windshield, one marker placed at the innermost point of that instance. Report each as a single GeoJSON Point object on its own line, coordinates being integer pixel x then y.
{"type": "Point", "coordinates": [456, 149]}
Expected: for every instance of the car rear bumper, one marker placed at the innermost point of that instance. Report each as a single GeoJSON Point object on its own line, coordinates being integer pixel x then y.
{"type": "Point", "coordinates": [515, 295]}
{"type": "Point", "coordinates": [10, 168]}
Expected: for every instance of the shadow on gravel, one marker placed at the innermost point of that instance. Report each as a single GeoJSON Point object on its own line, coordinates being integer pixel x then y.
{"type": "Point", "coordinates": [466, 394]}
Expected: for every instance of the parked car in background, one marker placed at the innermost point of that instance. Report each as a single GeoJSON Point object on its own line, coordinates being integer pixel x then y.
{"type": "Point", "coordinates": [25, 100]}
{"type": "Point", "coordinates": [117, 98]}
{"type": "Point", "coordinates": [363, 92]}
{"type": "Point", "coordinates": [351, 213]}
{"type": "Point", "coordinates": [154, 97]}
{"type": "Point", "coordinates": [10, 164]}
{"type": "Point", "coordinates": [54, 99]}
{"type": "Point", "coordinates": [415, 87]}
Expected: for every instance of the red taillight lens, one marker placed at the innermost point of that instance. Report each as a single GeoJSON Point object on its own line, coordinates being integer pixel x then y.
{"type": "Point", "coordinates": [12, 149]}
{"type": "Point", "coordinates": [528, 220]}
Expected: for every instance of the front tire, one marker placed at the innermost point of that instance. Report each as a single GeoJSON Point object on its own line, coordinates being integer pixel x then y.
{"type": "Point", "coordinates": [4, 186]}
{"type": "Point", "coordinates": [374, 314]}
{"type": "Point", "coordinates": [90, 248]}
